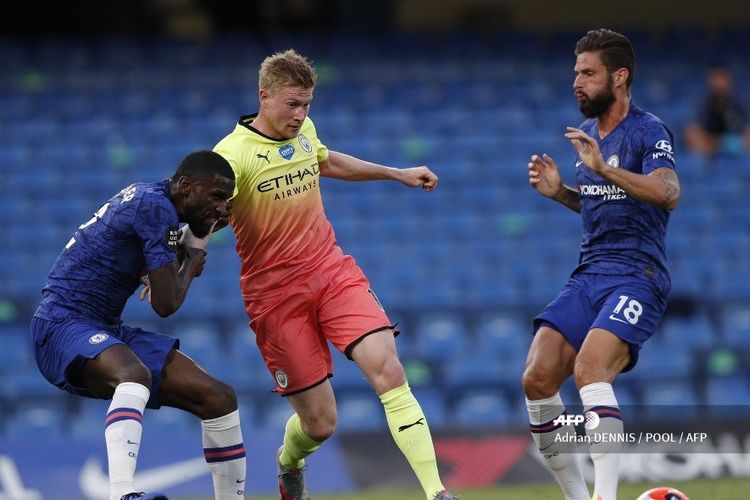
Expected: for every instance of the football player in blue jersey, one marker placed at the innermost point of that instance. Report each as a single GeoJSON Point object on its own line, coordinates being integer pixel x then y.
{"type": "Point", "coordinates": [626, 186]}
{"type": "Point", "coordinates": [82, 346]}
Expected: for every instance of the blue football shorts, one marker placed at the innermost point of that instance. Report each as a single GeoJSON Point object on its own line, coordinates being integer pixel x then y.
{"type": "Point", "coordinates": [628, 306]}
{"type": "Point", "coordinates": [62, 347]}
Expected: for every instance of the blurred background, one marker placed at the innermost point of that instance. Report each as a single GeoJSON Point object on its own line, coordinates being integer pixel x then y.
{"type": "Point", "coordinates": [97, 95]}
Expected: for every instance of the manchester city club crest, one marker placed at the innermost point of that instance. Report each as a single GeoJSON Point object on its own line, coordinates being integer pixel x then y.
{"type": "Point", "coordinates": [286, 151]}
{"type": "Point", "coordinates": [305, 143]}
{"type": "Point", "coordinates": [281, 378]}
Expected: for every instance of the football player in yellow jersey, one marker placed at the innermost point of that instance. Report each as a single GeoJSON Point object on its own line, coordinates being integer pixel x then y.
{"type": "Point", "coordinates": [300, 290]}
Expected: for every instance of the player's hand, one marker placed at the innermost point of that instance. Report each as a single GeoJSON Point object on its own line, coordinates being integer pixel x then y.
{"type": "Point", "coordinates": [419, 177]}
{"type": "Point", "coordinates": [188, 239]}
{"type": "Point", "coordinates": [587, 148]}
{"type": "Point", "coordinates": [544, 175]}
{"type": "Point", "coordinates": [197, 258]}
{"type": "Point", "coordinates": [146, 290]}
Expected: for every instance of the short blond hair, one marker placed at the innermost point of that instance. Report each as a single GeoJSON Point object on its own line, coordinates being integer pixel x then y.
{"type": "Point", "coordinates": [286, 69]}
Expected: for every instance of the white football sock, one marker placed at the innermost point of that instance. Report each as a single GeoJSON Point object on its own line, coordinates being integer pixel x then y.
{"type": "Point", "coordinates": [123, 436]}
{"type": "Point", "coordinates": [600, 398]}
{"type": "Point", "coordinates": [225, 454]}
{"type": "Point", "coordinates": [563, 465]}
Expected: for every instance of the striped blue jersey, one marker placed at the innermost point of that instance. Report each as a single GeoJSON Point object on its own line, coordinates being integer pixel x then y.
{"type": "Point", "coordinates": [134, 232]}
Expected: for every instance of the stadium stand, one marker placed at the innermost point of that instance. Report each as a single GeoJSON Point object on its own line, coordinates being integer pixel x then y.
{"type": "Point", "coordinates": [462, 269]}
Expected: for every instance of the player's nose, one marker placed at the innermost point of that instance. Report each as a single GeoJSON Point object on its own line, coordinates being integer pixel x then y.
{"type": "Point", "coordinates": [223, 209]}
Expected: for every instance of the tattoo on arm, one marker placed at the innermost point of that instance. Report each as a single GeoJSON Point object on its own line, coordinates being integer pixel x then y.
{"type": "Point", "coordinates": [671, 185]}
{"type": "Point", "coordinates": [571, 199]}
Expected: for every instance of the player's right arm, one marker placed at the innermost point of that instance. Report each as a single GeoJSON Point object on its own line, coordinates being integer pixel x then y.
{"type": "Point", "coordinates": [544, 176]}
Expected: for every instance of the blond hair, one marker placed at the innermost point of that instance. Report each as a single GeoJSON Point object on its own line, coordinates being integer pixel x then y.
{"type": "Point", "coordinates": [286, 69]}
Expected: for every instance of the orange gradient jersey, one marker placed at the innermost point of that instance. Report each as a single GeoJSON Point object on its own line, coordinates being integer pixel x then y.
{"type": "Point", "coordinates": [281, 229]}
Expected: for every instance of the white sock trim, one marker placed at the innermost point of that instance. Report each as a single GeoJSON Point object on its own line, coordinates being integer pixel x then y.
{"type": "Point", "coordinates": [134, 389]}
{"type": "Point", "coordinates": [555, 399]}
{"type": "Point", "coordinates": [222, 423]}
{"type": "Point", "coordinates": [542, 411]}
{"type": "Point", "coordinates": [598, 394]}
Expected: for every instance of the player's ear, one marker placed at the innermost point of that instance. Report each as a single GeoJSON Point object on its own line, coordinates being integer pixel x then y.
{"type": "Point", "coordinates": [184, 184]}
{"type": "Point", "coordinates": [620, 77]}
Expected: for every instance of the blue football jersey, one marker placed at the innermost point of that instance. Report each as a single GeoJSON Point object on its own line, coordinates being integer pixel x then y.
{"type": "Point", "coordinates": [136, 231]}
{"type": "Point", "coordinates": [622, 235]}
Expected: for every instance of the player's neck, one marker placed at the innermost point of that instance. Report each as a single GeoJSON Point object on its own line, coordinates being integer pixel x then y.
{"type": "Point", "coordinates": [607, 122]}
{"type": "Point", "coordinates": [264, 127]}
{"type": "Point", "coordinates": [261, 125]}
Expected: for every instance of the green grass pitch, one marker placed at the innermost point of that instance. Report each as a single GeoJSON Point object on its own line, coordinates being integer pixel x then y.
{"type": "Point", "coordinates": [713, 489]}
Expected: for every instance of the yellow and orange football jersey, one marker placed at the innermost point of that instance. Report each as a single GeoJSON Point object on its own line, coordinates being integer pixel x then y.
{"type": "Point", "coordinates": [277, 213]}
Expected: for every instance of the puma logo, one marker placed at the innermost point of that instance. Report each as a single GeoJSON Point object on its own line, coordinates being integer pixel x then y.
{"type": "Point", "coordinates": [404, 427]}
{"type": "Point", "coordinates": [265, 156]}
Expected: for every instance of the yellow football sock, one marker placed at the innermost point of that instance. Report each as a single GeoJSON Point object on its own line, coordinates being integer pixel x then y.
{"type": "Point", "coordinates": [297, 445]}
{"type": "Point", "coordinates": [412, 435]}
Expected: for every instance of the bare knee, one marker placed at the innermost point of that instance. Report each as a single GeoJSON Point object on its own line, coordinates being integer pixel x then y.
{"type": "Point", "coordinates": [538, 385]}
{"type": "Point", "coordinates": [320, 425]}
{"type": "Point", "coordinates": [587, 373]}
{"type": "Point", "coordinates": [131, 372]}
{"type": "Point", "coordinates": [590, 369]}
{"type": "Point", "coordinates": [220, 400]}
{"type": "Point", "coordinates": [387, 374]}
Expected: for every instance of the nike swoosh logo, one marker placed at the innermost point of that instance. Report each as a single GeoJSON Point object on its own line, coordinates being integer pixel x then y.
{"type": "Point", "coordinates": [613, 318]}
{"type": "Point", "coordinates": [548, 446]}
{"type": "Point", "coordinates": [404, 427]}
{"type": "Point", "coordinates": [132, 442]}
{"type": "Point", "coordinates": [10, 479]}
{"type": "Point", "coordinates": [578, 163]}
{"type": "Point", "coordinates": [240, 481]}
{"type": "Point", "coordinates": [94, 482]}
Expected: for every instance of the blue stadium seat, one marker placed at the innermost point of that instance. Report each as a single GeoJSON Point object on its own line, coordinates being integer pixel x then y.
{"type": "Point", "coordinates": [728, 397]}
{"type": "Point", "coordinates": [476, 368]}
{"type": "Point", "coordinates": [28, 384]}
{"type": "Point", "coordinates": [39, 421]}
{"type": "Point", "coordinates": [440, 336]}
{"type": "Point", "coordinates": [346, 373]}
{"type": "Point", "coordinates": [695, 331]}
{"type": "Point", "coordinates": [87, 421]}
{"type": "Point", "coordinates": [481, 409]}
{"type": "Point", "coordinates": [276, 412]}
{"type": "Point", "coordinates": [504, 334]}
{"type": "Point", "coordinates": [674, 400]}
{"type": "Point", "coordinates": [359, 412]}
{"type": "Point", "coordinates": [16, 352]}
{"type": "Point", "coordinates": [674, 361]}
{"type": "Point", "coordinates": [201, 341]}
{"type": "Point", "coordinates": [168, 420]}
{"type": "Point", "coordinates": [735, 325]}
{"type": "Point", "coordinates": [434, 406]}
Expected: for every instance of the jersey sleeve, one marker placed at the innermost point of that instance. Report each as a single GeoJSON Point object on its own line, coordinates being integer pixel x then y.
{"type": "Point", "coordinates": [658, 148]}
{"type": "Point", "coordinates": [156, 225]}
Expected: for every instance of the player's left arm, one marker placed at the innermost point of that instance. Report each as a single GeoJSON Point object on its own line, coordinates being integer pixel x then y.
{"type": "Point", "coordinates": [346, 167]}
{"type": "Point", "coordinates": [168, 284]}
{"type": "Point", "coordinates": [661, 187]}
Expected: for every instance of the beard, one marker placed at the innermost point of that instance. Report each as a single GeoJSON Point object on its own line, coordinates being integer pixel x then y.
{"type": "Point", "coordinates": [596, 106]}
